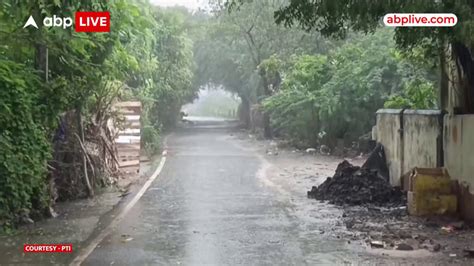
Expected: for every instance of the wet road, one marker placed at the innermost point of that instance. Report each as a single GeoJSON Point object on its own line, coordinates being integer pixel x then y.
{"type": "Point", "coordinates": [208, 207]}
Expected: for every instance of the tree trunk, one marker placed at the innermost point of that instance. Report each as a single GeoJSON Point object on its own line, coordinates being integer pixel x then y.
{"type": "Point", "coordinates": [80, 129]}
{"type": "Point", "coordinates": [244, 112]}
{"type": "Point", "coordinates": [41, 60]}
{"type": "Point", "coordinates": [41, 50]}
{"type": "Point", "coordinates": [465, 66]}
{"type": "Point", "coordinates": [315, 127]}
{"type": "Point", "coordinates": [444, 81]}
{"type": "Point", "coordinates": [267, 130]}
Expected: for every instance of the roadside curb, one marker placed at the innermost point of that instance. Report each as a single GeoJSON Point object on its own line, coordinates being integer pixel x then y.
{"type": "Point", "coordinates": [86, 251]}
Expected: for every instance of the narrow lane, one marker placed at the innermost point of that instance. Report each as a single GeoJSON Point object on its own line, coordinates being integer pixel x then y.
{"type": "Point", "coordinates": [208, 207]}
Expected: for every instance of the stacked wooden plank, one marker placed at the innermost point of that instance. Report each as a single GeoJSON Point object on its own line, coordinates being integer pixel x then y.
{"type": "Point", "coordinates": [128, 140]}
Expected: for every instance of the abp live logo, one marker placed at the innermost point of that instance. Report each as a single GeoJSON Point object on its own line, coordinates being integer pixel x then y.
{"type": "Point", "coordinates": [84, 22]}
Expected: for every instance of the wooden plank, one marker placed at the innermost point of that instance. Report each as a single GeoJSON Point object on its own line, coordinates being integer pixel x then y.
{"type": "Point", "coordinates": [130, 134]}
{"type": "Point", "coordinates": [128, 104]}
{"type": "Point", "coordinates": [144, 159]}
{"type": "Point", "coordinates": [134, 125]}
{"type": "Point", "coordinates": [128, 152]}
{"type": "Point", "coordinates": [129, 163]}
{"type": "Point", "coordinates": [129, 131]}
{"type": "Point", "coordinates": [127, 168]}
{"type": "Point", "coordinates": [131, 170]}
{"type": "Point", "coordinates": [133, 141]}
{"type": "Point", "coordinates": [129, 159]}
{"type": "Point", "coordinates": [127, 155]}
{"type": "Point", "coordinates": [128, 140]}
{"type": "Point", "coordinates": [128, 146]}
{"type": "Point", "coordinates": [137, 110]}
{"type": "Point", "coordinates": [128, 111]}
{"type": "Point", "coordinates": [130, 120]}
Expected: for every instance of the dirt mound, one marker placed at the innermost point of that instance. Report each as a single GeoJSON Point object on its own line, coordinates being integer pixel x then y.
{"type": "Point", "coordinates": [353, 185]}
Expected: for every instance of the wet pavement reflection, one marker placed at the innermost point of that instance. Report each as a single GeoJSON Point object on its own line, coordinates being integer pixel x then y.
{"type": "Point", "coordinates": [208, 207]}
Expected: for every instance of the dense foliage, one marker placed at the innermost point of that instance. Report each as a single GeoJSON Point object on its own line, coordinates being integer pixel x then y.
{"type": "Point", "coordinates": [23, 142]}
{"type": "Point", "coordinates": [336, 95]}
{"type": "Point", "coordinates": [47, 72]}
{"type": "Point", "coordinates": [313, 89]}
{"type": "Point", "coordinates": [448, 44]}
{"type": "Point", "coordinates": [233, 47]}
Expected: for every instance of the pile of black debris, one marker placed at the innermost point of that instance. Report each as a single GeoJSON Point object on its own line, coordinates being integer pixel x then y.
{"type": "Point", "coordinates": [354, 185]}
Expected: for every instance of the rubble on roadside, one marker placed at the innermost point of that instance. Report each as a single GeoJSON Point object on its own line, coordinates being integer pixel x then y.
{"type": "Point", "coordinates": [353, 185]}
{"type": "Point", "coordinates": [390, 229]}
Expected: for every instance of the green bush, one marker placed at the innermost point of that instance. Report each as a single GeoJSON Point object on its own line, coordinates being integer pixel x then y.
{"type": "Point", "coordinates": [417, 94]}
{"type": "Point", "coordinates": [336, 95]}
{"type": "Point", "coordinates": [150, 140]}
{"type": "Point", "coordinates": [24, 145]}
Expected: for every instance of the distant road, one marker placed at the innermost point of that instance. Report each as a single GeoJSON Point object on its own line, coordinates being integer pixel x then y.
{"type": "Point", "coordinates": [208, 118]}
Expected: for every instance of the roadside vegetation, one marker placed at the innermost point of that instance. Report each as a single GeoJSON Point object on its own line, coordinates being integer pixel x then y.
{"type": "Point", "coordinates": [309, 87]}
{"type": "Point", "coordinates": [359, 66]}
{"type": "Point", "coordinates": [57, 84]}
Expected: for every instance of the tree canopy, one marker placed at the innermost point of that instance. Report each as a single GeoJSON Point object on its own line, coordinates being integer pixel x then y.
{"type": "Point", "coordinates": [48, 73]}
{"type": "Point", "coordinates": [306, 81]}
{"type": "Point", "coordinates": [337, 18]}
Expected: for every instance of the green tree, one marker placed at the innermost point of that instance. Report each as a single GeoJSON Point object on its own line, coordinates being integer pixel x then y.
{"type": "Point", "coordinates": [35, 91]}
{"type": "Point", "coordinates": [295, 107]}
{"type": "Point", "coordinates": [238, 45]}
{"type": "Point", "coordinates": [48, 72]}
{"type": "Point", "coordinates": [336, 95]}
{"type": "Point", "coordinates": [335, 18]}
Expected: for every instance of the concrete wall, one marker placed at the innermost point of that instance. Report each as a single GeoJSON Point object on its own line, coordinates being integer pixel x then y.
{"type": "Point", "coordinates": [411, 138]}
{"type": "Point", "coordinates": [387, 132]}
{"type": "Point", "coordinates": [459, 158]}
{"type": "Point", "coordinates": [422, 139]}
{"type": "Point", "coordinates": [429, 141]}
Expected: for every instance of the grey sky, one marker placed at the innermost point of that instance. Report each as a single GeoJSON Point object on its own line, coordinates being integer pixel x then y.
{"type": "Point", "coordinates": [191, 4]}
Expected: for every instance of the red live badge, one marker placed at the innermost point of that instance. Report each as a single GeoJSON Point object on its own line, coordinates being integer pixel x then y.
{"type": "Point", "coordinates": [92, 22]}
